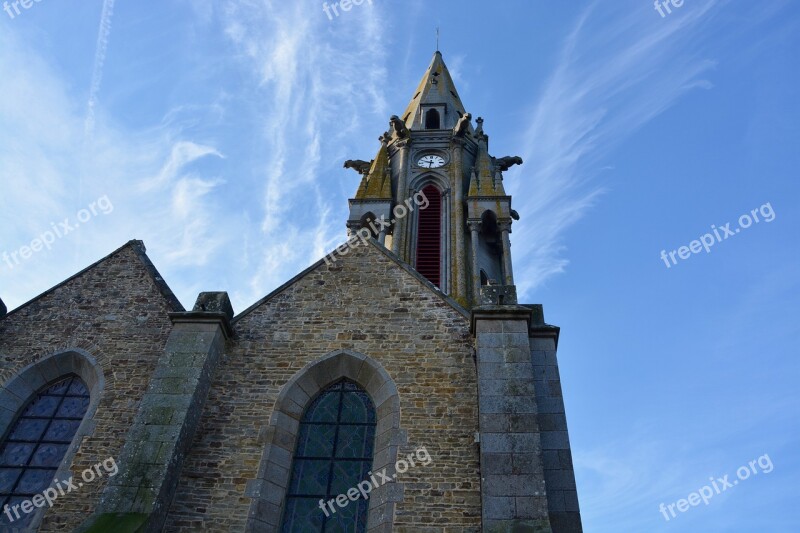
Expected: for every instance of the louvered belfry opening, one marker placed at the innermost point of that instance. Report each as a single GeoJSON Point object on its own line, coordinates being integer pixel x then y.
{"type": "Point", "coordinates": [432, 120]}
{"type": "Point", "coordinates": [429, 237]}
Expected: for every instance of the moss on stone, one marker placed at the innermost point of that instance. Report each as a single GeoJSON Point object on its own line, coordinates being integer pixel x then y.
{"type": "Point", "coordinates": [118, 522]}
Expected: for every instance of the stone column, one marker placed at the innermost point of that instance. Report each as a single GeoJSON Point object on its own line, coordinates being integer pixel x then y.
{"type": "Point", "coordinates": [512, 473]}
{"type": "Point", "coordinates": [508, 272]}
{"type": "Point", "coordinates": [458, 262]}
{"type": "Point", "coordinates": [475, 228]}
{"type": "Point", "coordinates": [138, 497]}
{"type": "Point", "coordinates": [399, 238]}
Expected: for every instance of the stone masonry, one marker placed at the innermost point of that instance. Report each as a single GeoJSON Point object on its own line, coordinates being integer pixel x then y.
{"type": "Point", "coordinates": [117, 310]}
{"type": "Point", "coordinates": [201, 410]}
{"type": "Point", "coordinates": [559, 474]}
{"type": "Point", "coordinates": [369, 303]}
{"type": "Point", "coordinates": [512, 476]}
{"type": "Point", "coordinates": [167, 420]}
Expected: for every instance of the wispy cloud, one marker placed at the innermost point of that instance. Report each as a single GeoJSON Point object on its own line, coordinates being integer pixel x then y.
{"type": "Point", "coordinates": [320, 81]}
{"type": "Point", "coordinates": [103, 36]}
{"type": "Point", "coordinates": [311, 95]}
{"type": "Point", "coordinates": [616, 71]}
{"type": "Point", "coordinates": [183, 153]}
{"type": "Point", "coordinates": [155, 179]}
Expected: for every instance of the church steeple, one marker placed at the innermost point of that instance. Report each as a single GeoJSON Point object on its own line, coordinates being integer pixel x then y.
{"type": "Point", "coordinates": [460, 241]}
{"type": "Point", "coordinates": [436, 91]}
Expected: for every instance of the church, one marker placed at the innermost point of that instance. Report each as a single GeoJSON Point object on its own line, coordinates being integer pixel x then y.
{"type": "Point", "coordinates": [396, 385]}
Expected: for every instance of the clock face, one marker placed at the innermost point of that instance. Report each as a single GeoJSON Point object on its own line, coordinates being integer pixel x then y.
{"type": "Point", "coordinates": [431, 161]}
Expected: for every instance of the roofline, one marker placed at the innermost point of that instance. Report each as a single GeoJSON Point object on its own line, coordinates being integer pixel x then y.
{"type": "Point", "coordinates": [139, 249]}
{"type": "Point", "coordinates": [455, 305]}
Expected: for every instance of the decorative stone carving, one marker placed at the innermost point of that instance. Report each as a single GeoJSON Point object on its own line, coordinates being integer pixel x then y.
{"type": "Point", "coordinates": [398, 127]}
{"type": "Point", "coordinates": [462, 127]}
{"type": "Point", "coordinates": [504, 163]}
{"type": "Point", "coordinates": [360, 166]}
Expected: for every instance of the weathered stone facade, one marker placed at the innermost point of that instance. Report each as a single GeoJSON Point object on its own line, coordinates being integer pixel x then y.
{"type": "Point", "coordinates": [202, 409]}
{"type": "Point", "coordinates": [116, 312]}
{"type": "Point", "coordinates": [367, 303]}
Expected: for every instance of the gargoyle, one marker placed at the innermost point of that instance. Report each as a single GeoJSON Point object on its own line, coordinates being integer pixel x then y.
{"type": "Point", "coordinates": [504, 163]}
{"type": "Point", "coordinates": [362, 167]}
{"type": "Point", "coordinates": [398, 127]}
{"type": "Point", "coordinates": [462, 126]}
{"type": "Point", "coordinates": [514, 214]}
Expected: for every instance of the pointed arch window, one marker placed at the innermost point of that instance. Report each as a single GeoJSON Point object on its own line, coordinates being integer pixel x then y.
{"type": "Point", "coordinates": [37, 442]}
{"type": "Point", "coordinates": [334, 453]}
{"type": "Point", "coordinates": [433, 120]}
{"type": "Point", "coordinates": [429, 237]}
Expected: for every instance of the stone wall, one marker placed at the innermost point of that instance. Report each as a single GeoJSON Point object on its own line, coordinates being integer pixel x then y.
{"type": "Point", "coordinates": [116, 311]}
{"type": "Point", "coordinates": [514, 493]}
{"type": "Point", "coordinates": [559, 472]}
{"type": "Point", "coordinates": [364, 302]}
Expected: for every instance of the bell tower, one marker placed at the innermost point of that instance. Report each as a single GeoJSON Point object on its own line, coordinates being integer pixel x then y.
{"type": "Point", "coordinates": [460, 240]}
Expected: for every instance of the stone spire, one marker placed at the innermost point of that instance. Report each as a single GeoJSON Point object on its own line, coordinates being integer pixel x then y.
{"type": "Point", "coordinates": [435, 88]}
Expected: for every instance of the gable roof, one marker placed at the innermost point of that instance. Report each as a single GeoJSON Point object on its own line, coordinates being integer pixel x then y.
{"type": "Point", "coordinates": [139, 250]}
{"type": "Point", "coordinates": [376, 246]}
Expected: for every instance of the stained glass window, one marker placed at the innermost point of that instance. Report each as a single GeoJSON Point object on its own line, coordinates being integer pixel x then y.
{"type": "Point", "coordinates": [334, 454]}
{"type": "Point", "coordinates": [37, 442]}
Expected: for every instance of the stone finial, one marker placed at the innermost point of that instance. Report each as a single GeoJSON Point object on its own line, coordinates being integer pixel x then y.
{"type": "Point", "coordinates": [479, 128]}
{"type": "Point", "coordinates": [3, 309]}
{"type": "Point", "coordinates": [214, 302]}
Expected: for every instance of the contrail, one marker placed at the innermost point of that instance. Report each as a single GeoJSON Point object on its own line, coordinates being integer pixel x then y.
{"type": "Point", "coordinates": [99, 61]}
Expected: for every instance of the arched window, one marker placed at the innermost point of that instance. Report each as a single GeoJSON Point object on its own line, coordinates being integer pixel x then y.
{"type": "Point", "coordinates": [429, 237]}
{"type": "Point", "coordinates": [432, 120]}
{"type": "Point", "coordinates": [484, 277]}
{"type": "Point", "coordinates": [37, 442]}
{"type": "Point", "coordinates": [334, 454]}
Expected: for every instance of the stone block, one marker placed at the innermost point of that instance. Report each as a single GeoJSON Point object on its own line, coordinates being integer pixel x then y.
{"type": "Point", "coordinates": [531, 507]}
{"type": "Point", "coordinates": [499, 507]}
{"type": "Point", "coordinates": [498, 295]}
{"type": "Point", "coordinates": [491, 340]}
{"type": "Point", "coordinates": [496, 463]}
{"type": "Point", "coordinates": [527, 463]}
{"type": "Point", "coordinates": [552, 422]}
{"type": "Point", "coordinates": [555, 440]}
{"type": "Point", "coordinates": [214, 302]}
{"type": "Point", "coordinates": [560, 480]}
{"type": "Point", "coordinates": [509, 442]}
{"type": "Point", "coordinates": [502, 404]}
{"type": "Point", "coordinates": [571, 501]}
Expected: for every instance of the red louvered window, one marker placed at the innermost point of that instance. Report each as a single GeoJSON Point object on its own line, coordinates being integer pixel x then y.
{"type": "Point", "coordinates": [429, 237]}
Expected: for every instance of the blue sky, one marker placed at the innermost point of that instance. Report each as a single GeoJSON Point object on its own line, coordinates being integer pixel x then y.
{"type": "Point", "coordinates": [217, 132]}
